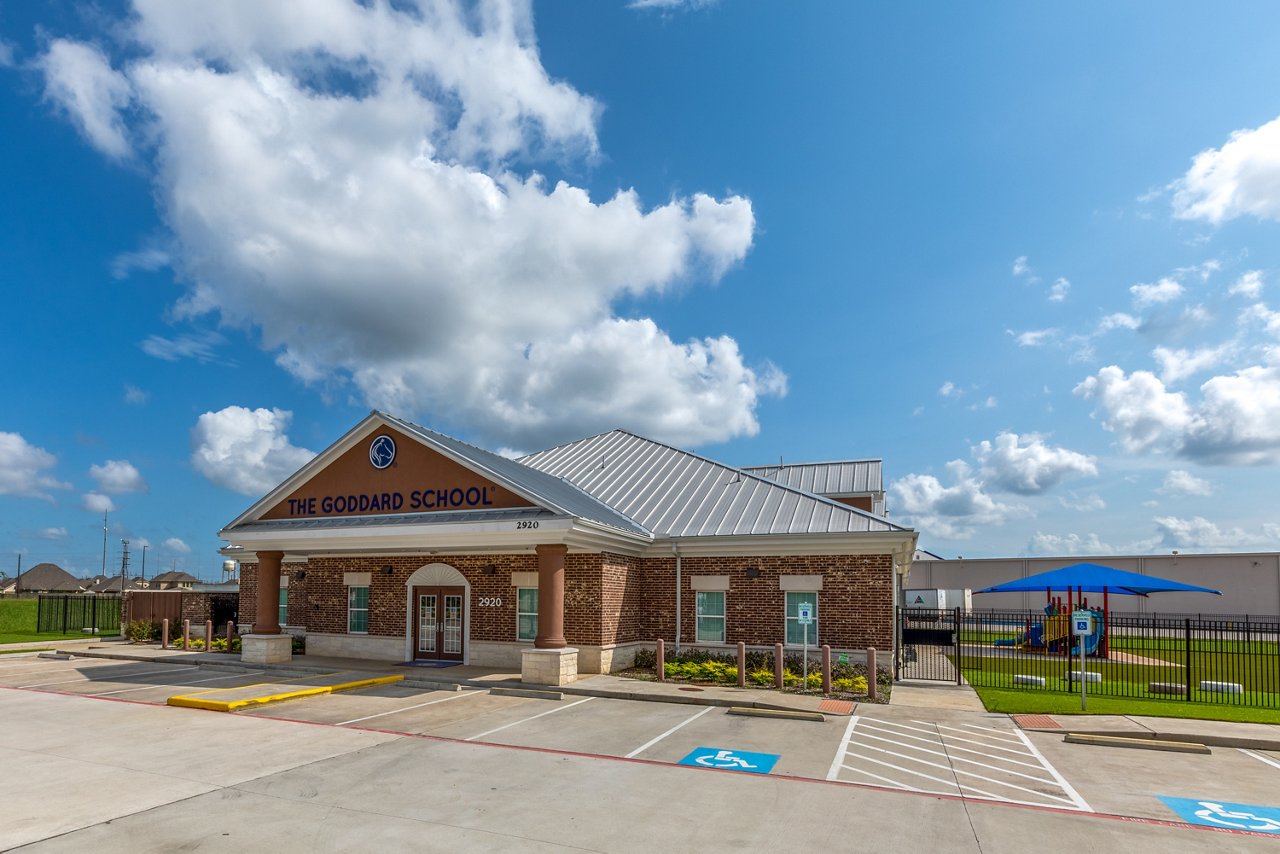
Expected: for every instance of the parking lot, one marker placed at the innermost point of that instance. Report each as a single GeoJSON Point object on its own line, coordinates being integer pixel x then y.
{"type": "Point", "coordinates": [963, 756]}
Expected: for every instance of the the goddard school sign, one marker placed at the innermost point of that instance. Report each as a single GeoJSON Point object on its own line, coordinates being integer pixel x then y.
{"type": "Point", "coordinates": [455, 498]}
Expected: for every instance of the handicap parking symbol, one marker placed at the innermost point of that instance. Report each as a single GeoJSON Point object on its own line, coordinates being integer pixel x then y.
{"type": "Point", "coordinates": [1222, 814]}
{"type": "Point", "coordinates": [731, 760]}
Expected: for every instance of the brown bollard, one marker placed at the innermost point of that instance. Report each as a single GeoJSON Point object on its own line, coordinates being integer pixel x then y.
{"type": "Point", "coordinates": [208, 635]}
{"type": "Point", "coordinates": [186, 634]}
{"type": "Point", "coordinates": [871, 673]}
{"type": "Point", "coordinates": [164, 632]}
{"type": "Point", "coordinates": [826, 668]}
{"type": "Point", "coordinates": [779, 665]}
{"type": "Point", "coordinates": [231, 633]}
{"type": "Point", "coordinates": [660, 665]}
{"type": "Point", "coordinates": [742, 664]}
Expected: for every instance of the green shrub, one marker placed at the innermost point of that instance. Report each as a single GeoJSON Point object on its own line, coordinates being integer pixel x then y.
{"type": "Point", "coordinates": [760, 676]}
{"type": "Point", "coordinates": [141, 631]}
{"type": "Point", "coordinates": [299, 645]}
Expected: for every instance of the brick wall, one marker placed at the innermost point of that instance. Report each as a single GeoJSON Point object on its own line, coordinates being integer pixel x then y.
{"type": "Point", "coordinates": [248, 593]}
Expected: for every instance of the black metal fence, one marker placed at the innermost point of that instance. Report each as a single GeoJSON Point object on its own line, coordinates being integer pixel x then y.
{"type": "Point", "coordinates": [1227, 660]}
{"type": "Point", "coordinates": [927, 646]}
{"type": "Point", "coordinates": [67, 614]}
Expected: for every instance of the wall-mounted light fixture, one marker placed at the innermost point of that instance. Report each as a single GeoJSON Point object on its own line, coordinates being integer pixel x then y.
{"type": "Point", "coordinates": [490, 569]}
{"type": "Point", "coordinates": [388, 569]}
{"type": "Point", "coordinates": [300, 574]}
{"type": "Point", "coordinates": [753, 572]}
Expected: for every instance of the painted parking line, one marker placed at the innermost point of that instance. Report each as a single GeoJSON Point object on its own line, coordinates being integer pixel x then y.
{"type": "Point", "coordinates": [531, 718]}
{"type": "Point", "coordinates": [57, 664]}
{"type": "Point", "coordinates": [168, 669]}
{"type": "Point", "coordinates": [183, 684]}
{"type": "Point", "coordinates": [651, 742]}
{"type": "Point", "coordinates": [1258, 756]}
{"type": "Point", "coordinates": [457, 696]}
{"type": "Point", "coordinates": [981, 762]}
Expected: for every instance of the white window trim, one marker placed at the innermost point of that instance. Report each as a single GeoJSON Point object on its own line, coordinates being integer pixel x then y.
{"type": "Point", "coordinates": [787, 619]}
{"type": "Point", "coordinates": [520, 614]}
{"type": "Point", "coordinates": [351, 610]}
{"type": "Point", "coordinates": [723, 617]}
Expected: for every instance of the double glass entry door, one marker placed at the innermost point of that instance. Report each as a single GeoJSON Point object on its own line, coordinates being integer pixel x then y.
{"type": "Point", "coordinates": [438, 629]}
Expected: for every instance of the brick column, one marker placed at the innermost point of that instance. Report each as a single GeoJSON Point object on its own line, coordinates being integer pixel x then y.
{"type": "Point", "coordinates": [550, 597]}
{"type": "Point", "coordinates": [268, 621]}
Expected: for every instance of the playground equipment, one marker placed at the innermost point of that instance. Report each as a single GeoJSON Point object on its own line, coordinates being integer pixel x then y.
{"type": "Point", "coordinates": [1053, 634]}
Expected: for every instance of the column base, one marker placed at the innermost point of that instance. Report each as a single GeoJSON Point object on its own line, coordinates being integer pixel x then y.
{"type": "Point", "coordinates": [266, 649]}
{"type": "Point", "coordinates": [549, 666]}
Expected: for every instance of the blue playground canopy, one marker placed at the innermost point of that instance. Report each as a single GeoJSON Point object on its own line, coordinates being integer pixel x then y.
{"type": "Point", "coordinates": [1092, 578]}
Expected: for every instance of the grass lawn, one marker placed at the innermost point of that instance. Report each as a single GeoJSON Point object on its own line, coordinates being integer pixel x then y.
{"type": "Point", "coordinates": [1014, 701]}
{"type": "Point", "coordinates": [18, 623]}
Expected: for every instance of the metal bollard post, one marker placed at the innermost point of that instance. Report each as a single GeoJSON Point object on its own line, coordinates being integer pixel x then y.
{"type": "Point", "coordinates": [660, 665]}
{"type": "Point", "coordinates": [186, 634]}
{"type": "Point", "coordinates": [742, 664]}
{"type": "Point", "coordinates": [208, 635]}
{"type": "Point", "coordinates": [826, 668]}
{"type": "Point", "coordinates": [779, 664]}
{"type": "Point", "coordinates": [871, 673]}
{"type": "Point", "coordinates": [164, 633]}
{"type": "Point", "coordinates": [231, 633]}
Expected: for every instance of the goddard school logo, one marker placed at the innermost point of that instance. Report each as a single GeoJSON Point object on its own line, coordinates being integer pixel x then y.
{"type": "Point", "coordinates": [382, 452]}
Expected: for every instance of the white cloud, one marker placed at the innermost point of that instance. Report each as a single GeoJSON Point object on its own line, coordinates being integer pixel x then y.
{"type": "Point", "coordinates": [950, 512]}
{"type": "Point", "coordinates": [988, 403]}
{"type": "Point", "coordinates": [671, 5]}
{"type": "Point", "coordinates": [79, 79]}
{"type": "Point", "coordinates": [52, 534]}
{"type": "Point", "coordinates": [1179, 482]}
{"type": "Point", "coordinates": [201, 346]}
{"type": "Point", "coordinates": [1259, 311]}
{"type": "Point", "coordinates": [135, 395]}
{"type": "Point", "coordinates": [1248, 285]}
{"type": "Point", "coordinates": [1181, 363]}
{"type": "Point", "coordinates": [1165, 290]}
{"type": "Point", "coordinates": [117, 476]}
{"type": "Point", "coordinates": [147, 260]}
{"type": "Point", "coordinates": [1059, 289]}
{"type": "Point", "coordinates": [174, 544]}
{"type": "Point", "coordinates": [1068, 544]}
{"type": "Point", "coordinates": [1083, 503]}
{"type": "Point", "coordinates": [393, 232]}
{"type": "Point", "coordinates": [1119, 320]}
{"type": "Point", "coordinates": [1027, 466]}
{"type": "Point", "coordinates": [95, 502]}
{"type": "Point", "coordinates": [1033, 337]}
{"type": "Point", "coordinates": [949, 389]}
{"type": "Point", "coordinates": [7, 53]}
{"type": "Point", "coordinates": [246, 450]}
{"type": "Point", "coordinates": [1020, 267]}
{"type": "Point", "coordinates": [23, 469]}
{"type": "Point", "coordinates": [1242, 177]}
{"type": "Point", "coordinates": [1200, 534]}
{"type": "Point", "coordinates": [1236, 422]}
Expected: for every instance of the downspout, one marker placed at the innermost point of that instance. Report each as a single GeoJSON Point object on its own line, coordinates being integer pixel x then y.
{"type": "Point", "coordinates": [675, 550]}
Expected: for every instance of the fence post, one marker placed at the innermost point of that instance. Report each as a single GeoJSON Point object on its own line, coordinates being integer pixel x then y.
{"type": "Point", "coordinates": [955, 624]}
{"type": "Point", "coordinates": [231, 633]}
{"type": "Point", "coordinates": [164, 633]}
{"type": "Point", "coordinates": [1187, 654]}
{"type": "Point", "coordinates": [871, 673]}
{"type": "Point", "coordinates": [742, 664]}
{"type": "Point", "coordinates": [186, 634]}
{"type": "Point", "coordinates": [660, 660]}
{"type": "Point", "coordinates": [779, 665]}
{"type": "Point", "coordinates": [39, 610]}
{"type": "Point", "coordinates": [93, 621]}
{"type": "Point", "coordinates": [66, 603]}
{"type": "Point", "coordinates": [897, 644]}
{"type": "Point", "coordinates": [826, 668]}
{"type": "Point", "coordinates": [208, 635]}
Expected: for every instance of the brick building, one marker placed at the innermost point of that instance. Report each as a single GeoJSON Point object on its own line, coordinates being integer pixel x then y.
{"type": "Point", "coordinates": [399, 543]}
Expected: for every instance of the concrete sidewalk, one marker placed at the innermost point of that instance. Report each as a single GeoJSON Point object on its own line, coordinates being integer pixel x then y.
{"type": "Point", "coordinates": [905, 697]}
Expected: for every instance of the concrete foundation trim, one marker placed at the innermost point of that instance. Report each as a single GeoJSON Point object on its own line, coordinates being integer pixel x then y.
{"type": "Point", "coordinates": [372, 647]}
{"type": "Point", "coordinates": [266, 649]}
{"type": "Point", "coordinates": [549, 666]}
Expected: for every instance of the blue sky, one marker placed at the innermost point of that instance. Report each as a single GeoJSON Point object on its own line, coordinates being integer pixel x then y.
{"type": "Point", "coordinates": [1026, 255]}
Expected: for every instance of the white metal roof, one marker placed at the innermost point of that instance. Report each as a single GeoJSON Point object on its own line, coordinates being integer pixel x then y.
{"type": "Point", "coordinates": [673, 493]}
{"type": "Point", "coordinates": [843, 477]}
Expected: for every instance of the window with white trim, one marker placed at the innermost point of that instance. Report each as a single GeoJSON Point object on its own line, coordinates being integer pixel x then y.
{"type": "Point", "coordinates": [283, 616]}
{"type": "Point", "coordinates": [358, 610]}
{"type": "Point", "coordinates": [526, 613]}
{"type": "Point", "coordinates": [795, 631]}
{"type": "Point", "coordinates": [710, 617]}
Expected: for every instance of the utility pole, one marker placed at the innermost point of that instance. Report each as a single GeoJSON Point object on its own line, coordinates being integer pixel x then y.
{"type": "Point", "coordinates": [17, 581]}
{"type": "Point", "coordinates": [104, 543]}
{"type": "Point", "coordinates": [144, 562]}
{"type": "Point", "coordinates": [124, 564]}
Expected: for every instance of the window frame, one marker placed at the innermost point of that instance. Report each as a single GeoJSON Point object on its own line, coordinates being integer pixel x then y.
{"type": "Point", "coordinates": [282, 612]}
{"type": "Point", "coordinates": [534, 614]}
{"type": "Point", "coordinates": [788, 619]}
{"type": "Point", "coordinates": [352, 610]}
{"type": "Point", "coordinates": [699, 615]}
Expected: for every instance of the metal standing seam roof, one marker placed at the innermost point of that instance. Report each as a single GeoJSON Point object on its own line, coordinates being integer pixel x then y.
{"type": "Point", "coordinates": [844, 477]}
{"type": "Point", "coordinates": [674, 493]}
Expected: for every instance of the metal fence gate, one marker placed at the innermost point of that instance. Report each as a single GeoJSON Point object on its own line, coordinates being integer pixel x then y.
{"type": "Point", "coordinates": [927, 644]}
{"type": "Point", "coordinates": [91, 614]}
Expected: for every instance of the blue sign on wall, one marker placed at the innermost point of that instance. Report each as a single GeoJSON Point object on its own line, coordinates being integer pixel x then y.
{"type": "Point", "coordinates": [1212, 813]}
{"type": "Point", "coordinates": [731, 760]}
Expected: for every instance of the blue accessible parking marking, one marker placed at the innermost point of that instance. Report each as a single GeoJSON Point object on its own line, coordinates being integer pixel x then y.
{"type": "Point", "coordinates": [1222, 814]}
{"type": "Point", "coordinates": [731, 760]}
